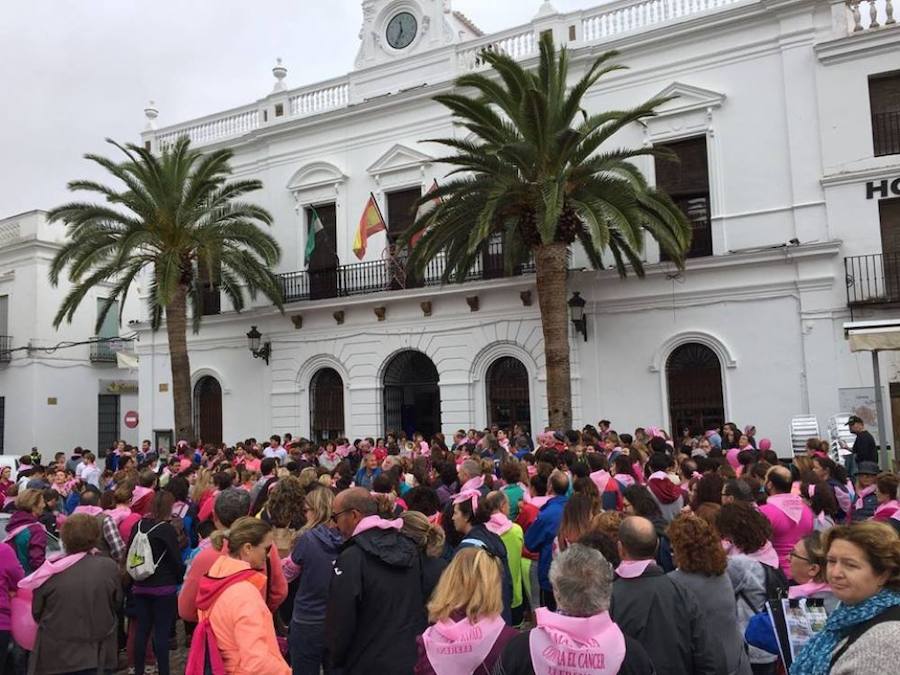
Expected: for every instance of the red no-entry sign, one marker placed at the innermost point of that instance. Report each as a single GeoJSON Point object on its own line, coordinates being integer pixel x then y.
{"type": "Point", "coordinates": [131, 419]}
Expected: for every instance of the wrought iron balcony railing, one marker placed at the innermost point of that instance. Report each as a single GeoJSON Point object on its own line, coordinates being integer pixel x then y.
{"type": "Point", "coordinates": [105, 351]}
{"type": "Point", "coordinates": [5, 347]}
{"type": "Point", "coordinates": [873, 279]}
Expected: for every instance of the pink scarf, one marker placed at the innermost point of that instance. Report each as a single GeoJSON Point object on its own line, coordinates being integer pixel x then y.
{"type": "Point", "coordinates": [790, 505]}
{"type": "Point", "coordinates": [631, 569]}
{"type": "Point", "coordinates": [88, 510]}
{"type": "Point", "coordinates": [119, 514]}
{"type": "Point", "coordinates": [537, 502]}
{"type": "Point", "coordinates": [454, 647]}
{"type": "Point", "coordinates": [625, 479]}
{"type": "Point", "coordinates": [51, 567]}
{"type": "Point", "coordinates": [766, 555]}
{"type": "Point", "coordinates": [658, 475]}
{"type": "Point", "coordinates": [808, 590]}
{"type": "Point", "coordinates": [472, 484]}
{"type": "Point", "coordinates": [601, 479]}
{"type": "Point", "coordinates": [377, 522]}
{"type": "Point", "coordinates": [499, 524]}
{"type": "Point", "coordinates": [887, 510]}
{"type": "Point", "coordinates": [582, 646]}
{"type": "Point", "coordinates": [139, 493]}
{"type": "Point", "coordinates": [865, 492]}
{"type": "Point", "coordinates": [470, 491]}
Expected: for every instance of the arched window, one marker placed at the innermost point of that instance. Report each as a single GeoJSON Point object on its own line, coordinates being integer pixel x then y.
{"type": "Point", "coordinates": [326, 405]}
{"type": "Point", "coordinates": [208, 409]}
{"type": "Point", "coordinates": [694, 379]}
{"type": "Point", "coordinates": [412, 397]}
{"type": "Point", "coordinates": [508, 399]}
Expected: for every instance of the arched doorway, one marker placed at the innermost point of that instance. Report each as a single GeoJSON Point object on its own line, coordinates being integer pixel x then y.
{"type": "Point", "coordinates": [507, 393]}
{"type": "Point", "coordinates": [412, 398]}
{"type": "Point", "coordinates": [326, 405]}
{"type": "Point", "coordinates": [208, 409]}
{"type": "Point", "coordinates": [694, 378]}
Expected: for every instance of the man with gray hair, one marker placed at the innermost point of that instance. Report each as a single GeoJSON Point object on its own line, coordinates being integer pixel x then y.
{"type": "Point", "coordinates": [582, 637]}
{"type": "Point", "coordinates": [470, 478]}
{"type": "Point", "coordinates": [658, 611]}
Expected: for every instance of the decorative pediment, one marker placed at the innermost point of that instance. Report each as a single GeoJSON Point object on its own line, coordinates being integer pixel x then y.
{"type": "Point", "coordinates": [315, 175]}
{"type": "Point", "coordinates": [399, 158]}
{"type": "Point", "coordinates": [689, 98]}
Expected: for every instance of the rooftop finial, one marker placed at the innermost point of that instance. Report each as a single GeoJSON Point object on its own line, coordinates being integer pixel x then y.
{"type": "Point", "coordinates": [151, 113]}
{"type": "Point", "coordinates": [280, 72]}
{"type": "Point", "coordinates": [547, 9]}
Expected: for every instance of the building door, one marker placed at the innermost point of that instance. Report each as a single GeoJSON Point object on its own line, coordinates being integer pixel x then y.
{"type": "Point", "coordinates": [323, 263]}
{"type": "Point", "coordinates": [412, 397]}
{"type": "Point", "coordinates": [401, 214]}
{"type": "Point", "coordinates": [889, 214]}
{"type": "Point", "coordinates": [694, 378]}
{"type": "Point", "coordinates": [326, 405]}
{"type": "Point", "coordinates": [208, 409]}
{"type": "Point", "coordinates": [107, 421]}
{"type": "Point", "coordinates": [507, 392]}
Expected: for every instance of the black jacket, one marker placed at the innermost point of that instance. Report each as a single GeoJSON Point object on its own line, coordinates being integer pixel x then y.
{"type": "Point", "coordinates": [376, 606]}
{"type": "Point", "coordinates": [665, 618]}
{"type": "Point", "coordinates": [480, 536]}
{"type": "Point", "coordinates": [166, 553]}
{"type": "Point", "coordinates": [516, 658]}
{"type": "Point", "coordinates": [864, 448]}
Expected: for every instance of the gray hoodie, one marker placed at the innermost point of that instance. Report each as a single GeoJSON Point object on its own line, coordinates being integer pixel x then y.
{"type": "Point", "coordinates": [749, 581]}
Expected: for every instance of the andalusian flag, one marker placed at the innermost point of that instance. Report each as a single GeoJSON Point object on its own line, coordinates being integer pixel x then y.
{"type": "Point", "coordinates": [315, 226]}
{"type": "Point", "coordinates": [370, 223]}
{"type": "Point", "coordinates": [426, 208]}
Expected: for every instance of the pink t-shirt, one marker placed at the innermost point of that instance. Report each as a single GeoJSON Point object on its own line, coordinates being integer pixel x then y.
{"type": "Point", "coordinates": [791, 520]}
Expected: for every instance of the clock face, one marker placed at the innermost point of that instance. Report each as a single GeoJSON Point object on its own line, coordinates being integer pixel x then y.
{"type": "Point", "coordinates": [401, 30]}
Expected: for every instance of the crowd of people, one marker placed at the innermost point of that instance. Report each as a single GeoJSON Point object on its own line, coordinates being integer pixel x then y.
{"type": "Point", "coordinates": [576, 552]}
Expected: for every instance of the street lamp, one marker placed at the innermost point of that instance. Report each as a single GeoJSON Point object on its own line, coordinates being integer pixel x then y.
{"type": "Point", "coordinates": [253, 342]}
{"type": "Point", "coordinates": [576, 308]}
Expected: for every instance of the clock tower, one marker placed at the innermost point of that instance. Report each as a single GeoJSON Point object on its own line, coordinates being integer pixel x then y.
{"type": "Point", "coordinates": [393, 29]}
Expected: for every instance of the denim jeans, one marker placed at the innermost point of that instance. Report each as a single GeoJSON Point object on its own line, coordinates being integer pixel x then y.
{"type": "Point", "coordinates": [155, 614]}
{"type": "Point", "coordinates": [307, 643]}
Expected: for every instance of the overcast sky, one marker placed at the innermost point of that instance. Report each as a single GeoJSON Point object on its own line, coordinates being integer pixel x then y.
{"type": "Point", "coordinates": [73, 72]}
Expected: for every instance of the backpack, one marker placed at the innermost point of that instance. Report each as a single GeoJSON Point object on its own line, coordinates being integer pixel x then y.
{"type": "Point", "coordinates": [140, 564]}
{"type": "Point", "coordinates": [776, 585]}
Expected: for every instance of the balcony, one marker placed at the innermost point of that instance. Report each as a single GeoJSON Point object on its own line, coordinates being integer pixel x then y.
{"type": "Point", "coordinates": [105, 351]}
{"type": "Point", "coordinates": [873, 280]}
{"type": "Point", "coordinates": [868, 15]}
{"type": "Point", "coordinates": [384, 275]}
{"type": "Point", "coordinates": [5, 348]}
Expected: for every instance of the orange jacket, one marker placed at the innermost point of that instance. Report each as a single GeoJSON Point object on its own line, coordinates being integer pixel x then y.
{"type": "Point", "coordinates": [243, 624]}
{"type": "Point", "coordinates": [201, 564]}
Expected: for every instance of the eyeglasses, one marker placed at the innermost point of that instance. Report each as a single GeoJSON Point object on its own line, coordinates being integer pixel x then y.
{"type": "Point", "coordinates": [799, 557]}
{"type": "Point", "coordinates": [334, 516]}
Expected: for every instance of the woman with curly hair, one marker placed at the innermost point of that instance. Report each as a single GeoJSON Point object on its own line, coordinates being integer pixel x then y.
{"type": "Point", "coordinates": [745, 536]}
{"type": "Point", "coordinates": [700, 565]}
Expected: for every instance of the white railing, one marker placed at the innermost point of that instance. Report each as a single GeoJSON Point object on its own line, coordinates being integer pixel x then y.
{"type": "Point", "coordinates": [210, 130]}
{"type": "Point", "coordinates": [9, 232]}
{"type": "Point", "coordinates": [319, 100]}
{"type": "Point", "coordinates": [863, 15]}
{"type": "Point", "coordinates": [518, 45]}
{"type": "Point", "coordinates": [234, 123]}
{"type": "Point", "coordinates": [610, 21]}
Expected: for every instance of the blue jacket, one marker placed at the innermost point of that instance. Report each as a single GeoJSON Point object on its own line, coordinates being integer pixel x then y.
{"type": "Point", "coordinates": [541, 534]}
{"type": "Point", "coordinates": [364, 479]}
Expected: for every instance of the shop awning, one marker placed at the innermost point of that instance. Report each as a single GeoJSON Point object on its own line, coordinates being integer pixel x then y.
{"type": "Point", "coordinates": [873, 336]}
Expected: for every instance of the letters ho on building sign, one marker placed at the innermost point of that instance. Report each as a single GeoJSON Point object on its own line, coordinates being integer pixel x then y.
{"type": "Point", "coordinates": [884, 188]}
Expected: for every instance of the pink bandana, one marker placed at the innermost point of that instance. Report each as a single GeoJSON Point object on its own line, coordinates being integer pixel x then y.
{"type": "Point", "coordinates": [625, 479]}
{"type": "Point", "coordinates": [499, 524]}
{"type": "Point", "coordinates": [574, 645]}
{"type": "Point", "coordinates": [601, 479]}
{"type": "Point", "coordinates": [631, 569]}
{"type": "Point", "coordinates": [658, 475]}
{"type": "Point", "coordinates": [460, 646]}
{"type": "Point", "coordinates": [766, 555]}
{"type": "Point", "coordinates": [139, 493]}
{"type": "Point", "coordinates": [887, 510]}
{"type": "Point", "coordinates": [377, 522]}
{"type": "Point", "coordinates": [51, 567]}
{"type": "Point", "coordinates": [467, 495]}
{"type": "Point", "coordinates": [119, 514]}
{"type": "Point", "coordinates": [88, 510]}
{"type": "Point", "coordinates": [808, 590]}
{"type": "Point", "coordinates": [790, 505]}
{"type": "Point", "coordinates": [865, 492]}
{"type": "Point", "coordinates": [537, 502]}
{"type": "Point", "coordinates": [472, 484]}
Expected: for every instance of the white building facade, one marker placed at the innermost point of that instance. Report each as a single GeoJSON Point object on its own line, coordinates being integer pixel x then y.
{"type": "Point", "coordinates": [787, 122]}
{"type": "Point", "coordinates": [58, 388]}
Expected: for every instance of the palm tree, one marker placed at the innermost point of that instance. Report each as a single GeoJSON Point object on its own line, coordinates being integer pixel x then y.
{"type": "Point", "coordinates": [537, 178]}
{"type": "Point", "coordinates": [177, 217]}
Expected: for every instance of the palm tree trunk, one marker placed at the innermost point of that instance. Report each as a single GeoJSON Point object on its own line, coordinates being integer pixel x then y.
{"type": "Point", "coordinates": [551, 262]}
{"type": "Point", "coordinates": [176, 328]}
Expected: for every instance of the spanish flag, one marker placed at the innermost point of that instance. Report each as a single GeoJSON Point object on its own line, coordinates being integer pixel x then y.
{"type": "Point", "coordinates": [370, 223]}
